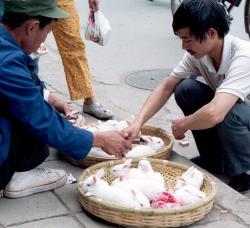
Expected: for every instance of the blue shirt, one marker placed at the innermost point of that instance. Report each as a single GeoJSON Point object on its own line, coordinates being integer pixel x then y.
{"type": "Point", "coordinates": [21, 99]}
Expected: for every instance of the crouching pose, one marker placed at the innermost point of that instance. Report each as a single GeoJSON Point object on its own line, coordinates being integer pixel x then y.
{"type": "Point", "coordinates": [217, 110]}
{"type": "Point", "coordinates": [28, 124]}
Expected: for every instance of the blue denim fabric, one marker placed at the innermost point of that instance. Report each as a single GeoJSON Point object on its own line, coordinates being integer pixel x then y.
{"type": "Point", "coordinates": [21, 100]}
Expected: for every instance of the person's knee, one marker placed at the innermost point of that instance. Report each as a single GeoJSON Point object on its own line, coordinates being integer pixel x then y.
{"type": "Point", "coordinates": [232, 119]}
{"type": "Point", "coordinates": [182, 90]}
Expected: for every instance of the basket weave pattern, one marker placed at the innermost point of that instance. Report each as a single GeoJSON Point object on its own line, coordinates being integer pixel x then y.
{"type": "Point", "coordinates": [163, 153]}
{"type": "Point", "coordinates": [149, 217]}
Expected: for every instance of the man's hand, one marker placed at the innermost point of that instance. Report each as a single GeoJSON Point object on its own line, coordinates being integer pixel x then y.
{"type": "Point", "coordinates": [132, 131]}
{"type": "Point", "coordinates": [60, 105]}
{"type": "Point", "coordinates": [178, 129]}
{"type": "Point", "coordinates": [94, 5]}
{"type": "Point", "coordinates": [112, 142]}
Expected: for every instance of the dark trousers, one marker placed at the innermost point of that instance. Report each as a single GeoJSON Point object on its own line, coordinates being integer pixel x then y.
{"type": "Point", "coordinates": [227, 145]}
{"type": "Point", "coordinates": [26, 152]}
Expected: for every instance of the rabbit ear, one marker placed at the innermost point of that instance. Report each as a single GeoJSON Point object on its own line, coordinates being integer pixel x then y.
{"type": "Point", "coordinates": [125, 172]}
{"type": "Point", "coordinates": [127, 163]}
{"type": "Point", "coordinates": [121, 178]}
{"type": "Point", "coordinates": [146, 138]}
{"type": "Point", "coordinates": [94, 179]}
{"type": "Point", "coordinates": [133, 191]}
{"type": "Point", "coordinates": [150, 138]}
{"type": "Point", "coordinates": [100, 173]}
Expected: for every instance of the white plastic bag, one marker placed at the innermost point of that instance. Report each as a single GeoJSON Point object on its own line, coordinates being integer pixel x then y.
{"type": "Point", "coordinates": [98, 28]}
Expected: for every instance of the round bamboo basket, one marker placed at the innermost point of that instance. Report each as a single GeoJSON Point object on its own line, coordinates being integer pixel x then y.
{"type": "Point", "coordinates": [163, 153]}
{"type": "Point", "coordinates": [174, 217]}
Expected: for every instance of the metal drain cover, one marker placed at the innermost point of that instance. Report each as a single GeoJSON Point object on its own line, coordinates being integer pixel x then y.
{"type": "Point", "coordinates": [147, 79]}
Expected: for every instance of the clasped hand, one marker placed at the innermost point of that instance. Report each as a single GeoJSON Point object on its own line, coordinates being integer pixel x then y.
{"type": "Point", "coordinates": [178, 129]}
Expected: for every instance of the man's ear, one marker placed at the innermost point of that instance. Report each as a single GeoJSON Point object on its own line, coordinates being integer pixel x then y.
{"type": "Point", "coordinates": [212, 33]}
{"type": "Point", "coordinates": [32, 26]}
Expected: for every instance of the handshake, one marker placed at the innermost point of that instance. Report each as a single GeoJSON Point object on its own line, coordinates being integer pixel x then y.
{"type": "Point", "coordinates": [112, 140]}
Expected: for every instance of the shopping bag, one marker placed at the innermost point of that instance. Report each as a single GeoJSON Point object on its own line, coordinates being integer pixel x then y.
{"type": "Point", "coordinates": [98, 28]}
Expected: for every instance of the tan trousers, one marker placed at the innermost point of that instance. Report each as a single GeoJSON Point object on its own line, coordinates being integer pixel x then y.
{"type": "Point", "coordinates": [72, 50]}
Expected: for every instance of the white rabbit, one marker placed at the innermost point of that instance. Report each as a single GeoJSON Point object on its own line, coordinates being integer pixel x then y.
{"type": "Point", "coordinates": [140, 150]}
{"type": "Point", "coordinates": [98, 152]}
{"type": "Point", "coordinates": [124, 170]}
{"type": "Point", "coordinates": [190, 177]}
{"type": "Point", "coordinates": [113, 125]}
{"type": "Point", "coordinates": [89, 184]}
{"type": "Point", "coordinates": [110, 125]}
{"type": "Point", "coordinates": [139, 196]}
{"type": "Point", "coordinates": [153, 142]}
{"type": "Point", "coordinates": [188, 194]}
{"type": "Point", "coordinates": [146, 168]}
{"type": "Point", "coordinates": [122, 125]}
{"type": "Point", "coordinates": [152, 146]}
{"type": "Point", "coordinates": [136, 178]}
{"type": "Point", "coordinates": [95, 186]}
{"type": "Point", "coordinates": [149, 188]}
{"type": "Point", "coordinates": [91, 127]}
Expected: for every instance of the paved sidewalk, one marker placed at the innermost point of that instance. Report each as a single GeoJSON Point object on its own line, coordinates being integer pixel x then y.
{"type": "Point", "coordinates": [142, 39]}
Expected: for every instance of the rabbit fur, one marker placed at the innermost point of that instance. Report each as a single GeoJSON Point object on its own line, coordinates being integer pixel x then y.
{"type": "Point", "coordinates": [95, 186]}
{"type": "Point", "coordinates": [113, 125]}
{"type": "Point", "coordinates": [149, 188]}
{"type": "Point", "coordinates": [190, 177]}
{"type": "Point", "coordinates": [188, 194]}
{"type": "Point", "coordinates": [127, 173]}
{"type": "Point", "coordinates": [98, 152]}
{"type": "Point", "coordinates": [141, 198]}
{"type": "Point", "coordinates": [136, 178]}
{"type": "Point", "coordinates": [146, 168]}
{"type": "Point", "coordinates": [153, 142]}
{"type": "Point", "coordinates": [152, 146]}
{"type": "Point", "coordinates": [140, 150]}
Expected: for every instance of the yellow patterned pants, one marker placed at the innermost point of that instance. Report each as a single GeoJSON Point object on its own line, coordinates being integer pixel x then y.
{"type": "Point", "coordinates": [72, 50]}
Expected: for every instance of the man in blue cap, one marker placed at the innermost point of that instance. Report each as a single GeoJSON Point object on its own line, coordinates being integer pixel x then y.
{"type": "Point", "coordinates": [27, 122]}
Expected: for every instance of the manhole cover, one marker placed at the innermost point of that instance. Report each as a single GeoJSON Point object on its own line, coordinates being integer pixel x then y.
{"type": "Point", "coordinates": [147, 79]}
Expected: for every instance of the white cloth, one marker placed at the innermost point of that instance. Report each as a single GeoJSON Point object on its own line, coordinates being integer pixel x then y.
{"type": "Point", "coordinates": [233, 76]}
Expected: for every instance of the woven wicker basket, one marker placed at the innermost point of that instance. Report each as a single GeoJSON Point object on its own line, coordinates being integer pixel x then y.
{"type": "Point", "coordinates": [163, 153]}
{"type": "Point", "coordinates": [149, 217]}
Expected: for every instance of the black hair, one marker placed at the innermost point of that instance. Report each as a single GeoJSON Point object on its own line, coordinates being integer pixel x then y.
{"type": "Point", "coordinates": [199, 16]}
{"type": "Point", "coordinates": [14, 20]}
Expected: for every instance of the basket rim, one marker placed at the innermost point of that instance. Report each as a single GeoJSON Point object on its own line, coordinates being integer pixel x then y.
{"type": "Point", "coordinates": [168, 147]}
{"type": "Point", "coordinates": [148, 211]}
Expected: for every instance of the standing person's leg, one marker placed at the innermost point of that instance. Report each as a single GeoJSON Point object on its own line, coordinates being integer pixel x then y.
{"type": "Point", "coordinates": [19, 175]}
{"type": "Point", "coordinates": [191, 95]}
{"type": "Point", "coordinates": [72, 51]}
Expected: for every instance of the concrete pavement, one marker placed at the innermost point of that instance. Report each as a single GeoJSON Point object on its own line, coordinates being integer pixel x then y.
{"type": "Point", "coordinates": [142, 39]}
